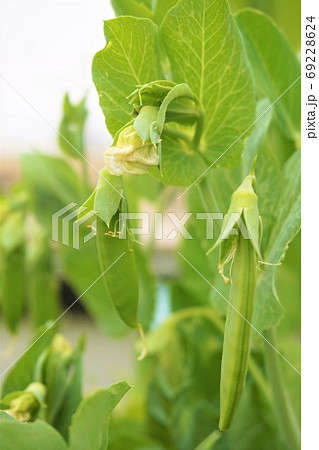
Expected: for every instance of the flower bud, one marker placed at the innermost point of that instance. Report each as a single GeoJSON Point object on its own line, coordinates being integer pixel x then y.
{"type": "Point", "coordinates": [25, 405]}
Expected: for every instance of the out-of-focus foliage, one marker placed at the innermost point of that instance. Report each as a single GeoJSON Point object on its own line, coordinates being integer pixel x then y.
{"type": "Point", "coordinates": [66, 420]}
{"type": "Point", "coordinates": [286, 13]}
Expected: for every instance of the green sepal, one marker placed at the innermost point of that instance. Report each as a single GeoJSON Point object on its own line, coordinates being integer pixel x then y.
{"type": "Point", "coordinates": [243, 210]}
{"type": "Point", "coordinates": [144, 123]}
{"type": "Point", "coordinates": [109, 191]}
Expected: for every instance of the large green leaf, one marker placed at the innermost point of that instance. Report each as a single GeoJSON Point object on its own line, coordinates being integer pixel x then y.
{"type": "Point", "coordinates": [129, 59]}
{"type": "Point", "coordinates": [89, 428]}
{"type": "Point", "coordinates": [179, 164]}
{"type": "Point", "coordinates": [268, 311]}
{"type": "Point", "coordinates": [28, 436]}
{"type": "Point", "coordinates": [275, 67]}
{"type": "Point", "coordinates": [206, 52]}
{"type": "Point", "coordinates": [273, 150]}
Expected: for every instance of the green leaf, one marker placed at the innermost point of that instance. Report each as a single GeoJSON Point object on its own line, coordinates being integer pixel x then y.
{"type": "Point", "coordinates": [257, 418]}
{"type": "Point", "coordinates": [268, 310]}
{"type": "Point", "coordinates": [136, 8]}
{"type": "Point", "coordinates": [286, 13]}
{"type": "Point", "coordinates": [29, 436]}
{"type": "Point", "coordinates": [154, 10]}
{"type": "Point", "coordinates": [12, 231]}
{"type": "Point", "coordinates": [54, 374]}
{"type": "Point", "coordinates": [206, 52]}
{"type": "Point", "coordinates": [52, 183]}
{"type": "Point", "coordinates": [123, 65]}
{"type": "Point", "coordinates": [72, 127]}
{"type": "Point", "coordinates": [108, 194]}
{"type": "Point", "coordinates": [161, 9]}
{"type": "Point", "coordinates": [72, 396]}
{"type": "Point", "coordinates": [89, 428]}
{"type": "Point", "coordinates": [257, 137]}
{"type": "Point", "coordinates": [274, 70]}
{"type": "Point", "coordinates": [273, 150]}
{"type": "Point", "coordinates": [132, 435]}
{"type": "Point", "coordinates": [183, 369]}
{"type": "Point", "coordinates": [179, 165]}
{"type": "Point", "coordinates": [87, 206]}
{"type": "Point", "coordinates": [22, 372]}
{"type": "Point", "coordinates": [60, 370]}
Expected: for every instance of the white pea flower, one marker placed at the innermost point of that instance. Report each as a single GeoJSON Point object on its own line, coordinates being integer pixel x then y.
{"type": "Point", "coordinates": [130, 154]}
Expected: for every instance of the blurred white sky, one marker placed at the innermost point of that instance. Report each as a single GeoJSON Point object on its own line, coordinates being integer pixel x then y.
{"type": "Point", "coordinates": [47, 48]}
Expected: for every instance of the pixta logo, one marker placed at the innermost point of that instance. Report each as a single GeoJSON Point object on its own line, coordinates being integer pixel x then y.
{"type": "Point", "coordinates": [71, 234]}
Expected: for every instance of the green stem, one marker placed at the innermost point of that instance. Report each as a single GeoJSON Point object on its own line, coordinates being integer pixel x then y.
{"type": "Point", "coordinates": [287, 421]}
{"type": "Point", "coordinates": [207, 196]}
{"type": "Point", "coordinates": [177, 134]}
{"type": "Point", "coordinates": [198, 130]}
{"type": "Point", "coordinates": [209, 201]}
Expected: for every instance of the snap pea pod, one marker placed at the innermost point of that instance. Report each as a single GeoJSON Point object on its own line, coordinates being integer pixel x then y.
{"type": "Point", "coordinates": [117, 261]}
{"type": "Point", "coordinates": [236, 347]}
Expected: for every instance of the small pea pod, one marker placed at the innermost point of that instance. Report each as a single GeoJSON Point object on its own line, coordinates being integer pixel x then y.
{"type": "Point", "coordinates": [12, 273]}
{"type": "Point", "coordinates": [236, 347]}
{"type": "Point", "coordinates": [42, 282]}
{"type": "Point", "coordinates": [117, 261]}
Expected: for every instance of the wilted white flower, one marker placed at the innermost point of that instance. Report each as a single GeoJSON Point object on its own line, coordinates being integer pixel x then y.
{"type": "Point", "coordinates": [130, 154]}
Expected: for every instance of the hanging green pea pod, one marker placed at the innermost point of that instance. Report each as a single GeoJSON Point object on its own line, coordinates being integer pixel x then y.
{"type": "Point", "coordinates": [237, 334]}
{"type": "Point", "coordinates": [118, 265]}
{"type": "Point", "coordinates": [239, 243]}
{"type": "Point", "coordinates": [42, 282]}
{"type": "Point", "coordinates": [12, 248]}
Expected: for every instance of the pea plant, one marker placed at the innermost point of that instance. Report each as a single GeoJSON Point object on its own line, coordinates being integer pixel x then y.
{"type": "Point", "coordinates": [203, 106]}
